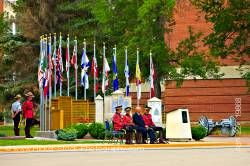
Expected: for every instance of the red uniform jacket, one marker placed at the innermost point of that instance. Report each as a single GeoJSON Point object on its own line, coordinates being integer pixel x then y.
{"type": "Point", "coordinates": [118, 121]}
{"type": "Point", "coordinates": [27, 109]}
{"type": "Point", "coordinates": [127, 120]}
{"type": "Point", "coordinates": [148, 120]}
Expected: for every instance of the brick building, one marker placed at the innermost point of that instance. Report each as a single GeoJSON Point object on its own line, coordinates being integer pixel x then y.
{"type": "Point", "coordinates": [216, 99]}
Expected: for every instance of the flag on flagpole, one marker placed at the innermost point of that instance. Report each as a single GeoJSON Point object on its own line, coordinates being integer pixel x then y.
{"type": "Point", "coordinates": [115, 73]}
{"type": "Point", "coordinates": [138, 77]}
{"type": "Point", "coordinates": [59, 67]}
{"type": "Point", "coordinates": [105, 80]}
{"type": "Point", "coordinates": [67, 58]}
{"type": "Point", "coordinates": [126, 72]}
{"type": "Point", "coordinates": [152, 77]}
{"type": "Point", "coordinates": [73, 62]}
{"type": "Point", "coordinates": [40, 66]}
{"type": "Point", "coordinates": [94, 71]}
{"type": "Point", "coordinates": [84, 73]}
{"type": "Point", "coordinates": [45, 69]}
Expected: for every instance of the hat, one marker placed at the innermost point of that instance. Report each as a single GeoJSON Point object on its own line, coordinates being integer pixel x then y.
{"type": "Point", "coordinates": [118, 107]}
{"type": "Point", "coordinates": [127, 108]}
{"type": "Point", "coordinates": [29, 94]}
{"type": "Point", "coordinates": [18, 96]}
{"type": "Point", "coordinates": [147, 107]}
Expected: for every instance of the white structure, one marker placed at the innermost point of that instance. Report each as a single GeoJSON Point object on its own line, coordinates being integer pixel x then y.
{"type": "Point", "coordinates": [156, 111]}
{"type": "Point", "coordinates": [110, 102]}
{"type": "Point", "coordinates": [99, 109]}
{"type": "Point", "coordinates": [178, 124]}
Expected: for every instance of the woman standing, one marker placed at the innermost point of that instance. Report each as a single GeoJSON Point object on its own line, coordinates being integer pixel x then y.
{"type": "Point", "coordinates": [28, 111]}
{"type": "Point", "coordinates": [16, 108]}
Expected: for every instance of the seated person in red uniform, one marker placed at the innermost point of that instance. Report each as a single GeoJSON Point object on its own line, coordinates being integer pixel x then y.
{"type": "Point", "coordinates": [119, 123]}
{"type": "Point", "coordinates": [147, 117]}
{"type": "Point", "coordinates": [129, 125]}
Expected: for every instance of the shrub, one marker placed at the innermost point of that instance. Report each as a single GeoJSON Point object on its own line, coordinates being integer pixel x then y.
{"type": "Point", "coordinates": [69, 134]}
{"type": "Point", "coordinates": [82, 130]}
{"type": "Point", "coordinates": [198, 132]}
{"type": "Point", "coordinates": [97, 130]}
{"type": "Point", "coordinates": [2, 135]}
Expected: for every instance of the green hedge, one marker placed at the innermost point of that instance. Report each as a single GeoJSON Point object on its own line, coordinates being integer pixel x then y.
{"type": "Point", "coordinates": [82, 130]}
{"type": "Point", "coordinates": [97, 130]}
{"type": "Point", "coordinates": [69, 134]}
{"type": "Point", "coordinates": [198, 132]}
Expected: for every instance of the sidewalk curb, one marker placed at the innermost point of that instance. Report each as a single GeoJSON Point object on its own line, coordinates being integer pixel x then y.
{"type": "Point", "coordinates": [114, 147]}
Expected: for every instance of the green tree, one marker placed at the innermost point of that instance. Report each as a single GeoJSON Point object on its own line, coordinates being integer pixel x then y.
{"type": "Point", "coordinates": [134, 23]}
{"type": "Point", "coordinates": [231, 25]}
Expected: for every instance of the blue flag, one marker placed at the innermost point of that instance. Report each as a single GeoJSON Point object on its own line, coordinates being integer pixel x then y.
{"type": "Point", "coordinates": [84, 73]}
{"type": "Point", "coordinates": [115, 73]}
{"type": "Point", "coordinates": [126, 72]}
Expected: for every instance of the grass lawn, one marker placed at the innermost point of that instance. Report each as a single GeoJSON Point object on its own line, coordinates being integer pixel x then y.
{"type": "Point", "coordinates": [8, 130]}
{"type": "Point", "coordinates": [45, 142]}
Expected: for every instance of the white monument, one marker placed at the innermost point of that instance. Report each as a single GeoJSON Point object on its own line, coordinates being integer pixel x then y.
{"type": "Point", "coordinates": [99, 109]}
{"type": "Point", "coordinates": [178, 124]}
{"type": "Point", "coordinates": [156, 111]}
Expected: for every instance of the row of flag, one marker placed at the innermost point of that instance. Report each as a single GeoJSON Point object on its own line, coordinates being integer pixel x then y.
{"type": "Point", "coordinates": [53, 62]}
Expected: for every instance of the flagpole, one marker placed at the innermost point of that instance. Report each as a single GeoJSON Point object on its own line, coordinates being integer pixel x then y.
{"type": "Point", "coordinates": [46, 98]}
{"type": "Point", "coordinates": [54, 58]}
{"type": "Point", "coordinates": [85, 51]}
{"type": "Point", "coordinates": [94, 72]}
{"type": "Point", "coordinates": [40, 85]}
{"type": "Point", "coordinates": [138, 100]}
{"type": "Point", "coordinates": [76, 69]}
{"type": "Point", "coordinates": [68, 65]}
{"type": "Point", "coordinates": [150, 63]}
{"type": "Point", "coordinates": [103, 72]}
{"type": "Point", "coordinates": [60, 50]}
{"type": "Point", "coordinates": [50, 76]}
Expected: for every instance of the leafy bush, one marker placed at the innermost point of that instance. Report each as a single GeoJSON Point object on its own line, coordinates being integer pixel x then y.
{"type": "Point", "coordinates": [97, 130]}
{"type": "Point", "coordinates": [69, 134]}
{"type": "Point", "coordinates": [82, 130]}
{"type": "Point", "coordinates": [198, 132]}
{"type": "Point", "coordinates": [2, 135]}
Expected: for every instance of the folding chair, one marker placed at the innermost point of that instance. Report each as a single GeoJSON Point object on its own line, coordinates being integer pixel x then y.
{"type": "Point", "coordinates": [113, 136]}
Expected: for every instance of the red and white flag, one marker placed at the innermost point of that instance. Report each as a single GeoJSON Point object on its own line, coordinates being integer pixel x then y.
{"type": "Point", "coordinates": [152, 77]}
{"type": "Point", "coordinates": [94, 72]}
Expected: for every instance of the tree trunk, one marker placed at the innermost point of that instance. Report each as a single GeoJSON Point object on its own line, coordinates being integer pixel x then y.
{"type": "Point", "coordinates": [157, 84]}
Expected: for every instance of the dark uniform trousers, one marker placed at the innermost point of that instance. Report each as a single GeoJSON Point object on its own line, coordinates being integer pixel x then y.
{"type": "Point", "coordinates": [160, 129]}
{"type": "Point", "coordinates": [140, 127]}
{"type": "Point", "coordinates": [28, 126]}
{"type": "Point", "coordinates": [16, 120]}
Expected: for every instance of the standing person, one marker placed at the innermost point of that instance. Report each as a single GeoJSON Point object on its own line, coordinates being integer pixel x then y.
{"type": "Point", "coordinates": [147, 117]}
{"type": "Point", "coordinates": [28, 111]}
{"type": "Point", "coordinates": [141, 127]}
{"type": "Point", "coordinates": [16, 108]}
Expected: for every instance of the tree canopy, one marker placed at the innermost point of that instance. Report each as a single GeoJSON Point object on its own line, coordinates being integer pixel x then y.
{"type": "Point", "coordinates": [133, 23]}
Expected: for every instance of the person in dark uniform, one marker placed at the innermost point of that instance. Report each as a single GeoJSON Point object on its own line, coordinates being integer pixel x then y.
{"type": "Point", "coordinates": [129, 125]}
{"type": "Point", "coordinates": [16, 108]}
{"type": "Point", "coordinates": [28, 112]}
{"type": "Point", "coordinates": [147, 117]}
{"type": "Point", "coordinates": [141, 127]}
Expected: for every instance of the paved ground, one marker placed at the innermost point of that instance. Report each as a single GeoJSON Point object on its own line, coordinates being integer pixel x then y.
{"type": "Point", "coordinates": [172, 157]}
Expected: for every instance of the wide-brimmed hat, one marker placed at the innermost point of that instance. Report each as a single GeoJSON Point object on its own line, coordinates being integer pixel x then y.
{"type": "Point", "coordinates": [18, 96]}
{"type": "Point", "coordinates": [29, 94]}
{"type": "Point", "coordinates": [128, 109]}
